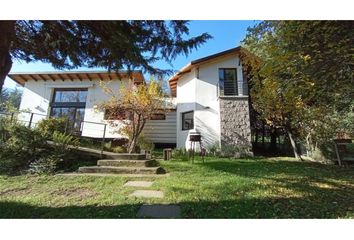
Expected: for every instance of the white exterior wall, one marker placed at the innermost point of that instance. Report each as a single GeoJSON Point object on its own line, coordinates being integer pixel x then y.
{"type": "Point", "coordinates": [37, 96]}
{"type": "Point", "coordinates": [186, 101]}
{"type": "Point", "coordinates": [200, 89]}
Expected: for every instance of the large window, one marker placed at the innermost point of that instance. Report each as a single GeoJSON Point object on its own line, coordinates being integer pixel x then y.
{"type": "Point", "coordinates": [228, 81]}
{"type": "Point", "coordinates": [69, 103]}
{"type": "Point", "coordinates": [187, 120]}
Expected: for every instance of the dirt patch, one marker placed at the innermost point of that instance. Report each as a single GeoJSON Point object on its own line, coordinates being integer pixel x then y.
{"type": "Point", "coordinates": [15, 192]}
{"type": "Point", "coordinates": [81, 193]}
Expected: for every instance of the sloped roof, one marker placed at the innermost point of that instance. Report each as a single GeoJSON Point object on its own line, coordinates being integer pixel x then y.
{"type": "Point", "coordinates": [173, 80]}
{"type": "Point", "coordinates": [23, 77]}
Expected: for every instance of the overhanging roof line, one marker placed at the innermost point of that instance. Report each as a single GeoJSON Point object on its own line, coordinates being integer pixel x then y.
{"type": "Point", "coordinates": [21, 78]}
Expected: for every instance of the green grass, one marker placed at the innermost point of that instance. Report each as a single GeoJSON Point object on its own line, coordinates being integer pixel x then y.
{"type": "Point", "coordinates": [254, 188]}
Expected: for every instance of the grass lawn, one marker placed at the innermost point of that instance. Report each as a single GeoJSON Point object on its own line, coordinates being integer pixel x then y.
{"type": "Point", "coordinates": [220, 188]}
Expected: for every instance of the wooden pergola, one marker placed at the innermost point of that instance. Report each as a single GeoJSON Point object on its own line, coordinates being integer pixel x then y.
{"type": "Point", "coordinates": [22, 78]}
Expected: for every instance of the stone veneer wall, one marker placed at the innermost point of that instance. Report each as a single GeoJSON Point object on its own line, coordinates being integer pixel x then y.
{"type": "Point", "coordinates": [235, 123]}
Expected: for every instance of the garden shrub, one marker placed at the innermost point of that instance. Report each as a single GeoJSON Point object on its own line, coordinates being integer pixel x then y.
{"type": "Point", "coordinates": [214, 150]}
{"type": "Point", "coordinates": [20, 146]}
{"type": "Point", "coordinates": [180, 153]}
{"type": "Point", "coordinates": [145, 144]}
{"type": "Point", "coordinates": [60, 154]}
{"type": "Point", "coordinates": [119, 149]}
{"type": "Point", "coordinates": [45, 165]}
{"type": "Point", "coordinates": [51, 125]}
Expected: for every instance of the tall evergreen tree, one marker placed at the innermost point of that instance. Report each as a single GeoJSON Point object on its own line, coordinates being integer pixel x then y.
{"type": "Point", "coordinates": [109, 44]}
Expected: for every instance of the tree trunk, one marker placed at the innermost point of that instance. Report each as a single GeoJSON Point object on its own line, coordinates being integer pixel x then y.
{"type": "Point", "coordinates": [263, 133]}
{"type": "Point", "coordinates": [273, 139]}
{"type": "Point", "coordinates": [7, 33]}
{"type": "Point", "coordinates": [132, 145]}
{"type": "Point", "coordinates": [293, 145]}
{"type": "Point", "coordinates": [136, 133]}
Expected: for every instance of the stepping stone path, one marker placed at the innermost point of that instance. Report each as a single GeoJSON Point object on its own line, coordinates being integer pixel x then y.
{"type": "Point", "coordinates": [156, 210]}
{"type": "Point", "coordinates": [138, 184]}
{"type": "Point", "coordinates": [159, 211]}
{"type": "Point", "coordinates": [147, 194]}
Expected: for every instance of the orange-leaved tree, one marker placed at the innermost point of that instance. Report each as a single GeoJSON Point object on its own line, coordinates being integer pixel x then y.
{"type": "Point", "coordinates": [132, 105]}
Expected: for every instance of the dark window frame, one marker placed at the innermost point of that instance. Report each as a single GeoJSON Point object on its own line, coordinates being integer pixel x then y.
{"type": "Point", "coordinates": [222, 88]}
{"type": "Point", "coordinates": [183, 120]}
{"type": "Point", "coordinates": [67, 104]}
{"type": "Point", "coordinates": [75, 105]}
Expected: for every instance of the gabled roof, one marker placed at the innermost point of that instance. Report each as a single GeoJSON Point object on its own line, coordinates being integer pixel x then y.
{"type": "Point", "coordinates": [173, 80]}
{"type": "Point", "coordinates": [21, 78]}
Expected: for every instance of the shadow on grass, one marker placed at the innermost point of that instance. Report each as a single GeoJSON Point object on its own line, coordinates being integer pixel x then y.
{"type": "Point", "coordinates": [260, 168]}
{"type": "Point", "coordinates": [311, 207]}
{"type": "Point", "coordinates": [12, 209]}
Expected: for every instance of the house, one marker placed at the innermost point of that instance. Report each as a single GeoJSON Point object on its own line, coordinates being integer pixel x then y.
{"type": "Point", "coordinates": [210, 97]}
{"type": "Point", "coordinates": [77, 96]}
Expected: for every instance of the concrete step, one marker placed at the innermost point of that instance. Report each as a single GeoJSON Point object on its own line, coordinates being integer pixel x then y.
{"type": "Point", "coordinates": [124, 156]}
{"type": "Point", "coordinates": [122, 170]}
{"type": "Point", "coordinates": [127, 163]}
{"type": "Point", "coordinates": [109, 155]}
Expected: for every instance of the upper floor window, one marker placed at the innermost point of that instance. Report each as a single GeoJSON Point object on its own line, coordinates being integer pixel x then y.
{"type": "Point", "coordinates": [187, 120]}
{"type": "Point", "coordinates": [70, 95]}
{"type": "Point", "coordinates": [228, 81]}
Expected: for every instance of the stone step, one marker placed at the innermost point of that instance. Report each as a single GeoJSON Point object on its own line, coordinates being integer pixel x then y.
{"type": "Point", "coordinates": [127, 163]}
{"type": "Point", "coordinates": [122, 170]}
{"type": "Point", "coordinates": [124, 156]}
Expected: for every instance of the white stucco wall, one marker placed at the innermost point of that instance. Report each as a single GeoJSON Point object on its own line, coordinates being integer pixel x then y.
{"type": "Point", "coordinates": [185, 101]}
{"type": "Point", "coordinates": [198, 91]}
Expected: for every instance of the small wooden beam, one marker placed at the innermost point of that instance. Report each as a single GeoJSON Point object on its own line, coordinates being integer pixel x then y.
{"type": "Point", "coordinates": [32, 78]}
{"type": "Point", "coordinates": [68, 76]}
{"type": "Point", "coordinates": [117, 75]}
{"type": "Point", "coordinates": [42, 78]}
{"type": "Point", "coordinates": [58, 75]}
{"type": "Point", "coordinates": [88, 76]}
{"type": "Point", "coordinates": [99, 76]}
{"type": "Point", "coordinates": [23, 79]}
{"type": "Point", "coordinates": [50, 77]}
{"type": "Point", "coordinates": [78, 76]}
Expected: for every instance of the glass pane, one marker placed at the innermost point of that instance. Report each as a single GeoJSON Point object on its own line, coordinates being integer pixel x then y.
{"type": "Point", "coordinates": [80, 113]}
{"type": "Point", "coordinates": [221, 74]}
{"type": "Point", "coordinates": [63, 112]}
{"type": "Point", "coordinates": [70, 96]}
{"type": "Point", "coordinates": [230, 74]}
{"type": "Point", "coordinates": [187, 121]}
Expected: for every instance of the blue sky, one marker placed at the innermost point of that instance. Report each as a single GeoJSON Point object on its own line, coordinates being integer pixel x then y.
{"type": "Point", "coordinates": [226, 34]}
